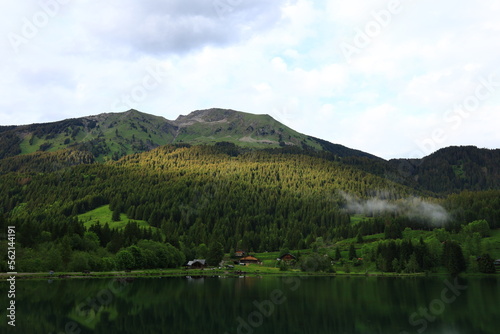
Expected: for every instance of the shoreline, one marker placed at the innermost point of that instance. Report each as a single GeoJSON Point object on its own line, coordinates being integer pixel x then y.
{"type": "Point", "coordinates": [218, 273]}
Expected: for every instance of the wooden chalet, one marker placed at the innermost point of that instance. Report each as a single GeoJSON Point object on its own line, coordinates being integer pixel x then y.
{"type": "Point", "coordinates": [249, 259]}
{"type": "Point", "coordinates": [240, 253]}
{"type": "Point", "coordinates": [196, 264]}
{"type": "Point", "coordinates": [287, 257]}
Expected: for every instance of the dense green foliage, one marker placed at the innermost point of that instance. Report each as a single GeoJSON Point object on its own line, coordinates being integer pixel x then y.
{"type": "Point", "coordinates": [416, 251]}
{"type": "Point", "coordinates": [454, 169]}
{"type": "Point", "coordinates": [257, 201]}
{"type": "Point", "coordinates": [468, 206]}
{"type": "Point", "coordinates": [45, 162]}
{"type": "Point", "coordinates": [486, 264]}
{"type": "Point", "coordinates": [167, 204]}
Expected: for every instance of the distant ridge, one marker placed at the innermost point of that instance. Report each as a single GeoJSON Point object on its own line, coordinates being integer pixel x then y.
{"type": "Point", "coordinates": [113, 135]}
{"type": "Point", "coordinates": [454, 169]}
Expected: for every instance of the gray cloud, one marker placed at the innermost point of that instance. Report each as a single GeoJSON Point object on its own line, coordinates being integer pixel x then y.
{"type": "Point", "coordinates": [176, 26]}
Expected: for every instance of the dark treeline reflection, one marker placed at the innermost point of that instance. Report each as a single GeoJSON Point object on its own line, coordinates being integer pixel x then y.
{"type": "Point", "coordinates": [257, 305]}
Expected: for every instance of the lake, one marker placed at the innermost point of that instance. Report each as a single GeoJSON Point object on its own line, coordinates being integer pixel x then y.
{"type": "Point", "coordinates": [257, 305]}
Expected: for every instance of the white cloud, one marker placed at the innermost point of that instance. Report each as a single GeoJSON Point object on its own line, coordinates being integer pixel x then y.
{"type": "Point", "coordinates": [281, 58]}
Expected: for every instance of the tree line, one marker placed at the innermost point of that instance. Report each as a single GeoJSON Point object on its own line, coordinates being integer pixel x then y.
{"type": "Point", "coordinates": [201, 195]}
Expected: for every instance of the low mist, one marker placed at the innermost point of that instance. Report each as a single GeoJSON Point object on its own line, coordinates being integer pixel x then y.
{"type": "Point", "coordinates": [413, 208]}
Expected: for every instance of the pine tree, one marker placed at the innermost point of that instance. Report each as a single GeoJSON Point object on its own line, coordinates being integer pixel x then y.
{"type": "Point", "coordinates": [106, 234]}
{"type": "Point", "coordinates": [116, 215]}
{"type": "Point", "coordinates": [412, 264]}
{"type": "Point", "coordinates": [215, 253]}
{"type": "Point", "coordinates": [453, 258]}
{"type": "Point", "coordinates": [352, 252]}
{"type": "Point", "coordinates": [338, 255]}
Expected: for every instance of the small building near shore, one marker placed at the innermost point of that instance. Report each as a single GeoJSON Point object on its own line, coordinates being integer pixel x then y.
{"type": "Point", "coordinates": [287, 257]}
{"type": "Point", "coordinates": [249, 259]}
{"type": "Point", "coordinates": [196, 264]}
{"type": "Point", "coordinates": [240, 253]}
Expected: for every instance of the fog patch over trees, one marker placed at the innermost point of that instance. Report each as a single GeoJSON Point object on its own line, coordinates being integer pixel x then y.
{"type": "Point", "coordinates": [411, 207]}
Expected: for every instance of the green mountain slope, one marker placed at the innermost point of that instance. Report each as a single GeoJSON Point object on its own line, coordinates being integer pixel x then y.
{"type": "Point", "coordinates": [244, 129]}
{"type": "Point", "coordinates": [196, 194]}
{"type": "Point", "coordinates": [113, 135]}
{"type": "Point", "coordinates": [179, 201]}
{"type": "Point", "coordinates": [106, 136]}
{"type": "Point", "coordinates": [110, 136]}
{"type": "Point", "coordinates": [453, 169]}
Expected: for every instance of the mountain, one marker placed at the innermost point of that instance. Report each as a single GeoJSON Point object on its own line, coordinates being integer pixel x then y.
{"type": "Point", "coordinates": [106, 136]}
{"type": "Point", "coordinates": [85, 216]}
{"type": "Point", "coordinates": [219, 180]}
{"type": "Point", "coordinates": [110, 136]}
{"type": "Point", "coordinates": [453, 169]}
{"type": "Point", "coordinates": [194, 195]}
{"type": "Point", "coordinates": [113, 135]}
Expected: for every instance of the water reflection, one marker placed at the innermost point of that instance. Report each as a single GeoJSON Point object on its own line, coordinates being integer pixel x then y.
{"type": "Point", "coordinates": [256, 305]}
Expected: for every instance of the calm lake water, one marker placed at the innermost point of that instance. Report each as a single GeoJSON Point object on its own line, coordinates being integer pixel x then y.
{"type": "Point", "coordinates": [256, 305]}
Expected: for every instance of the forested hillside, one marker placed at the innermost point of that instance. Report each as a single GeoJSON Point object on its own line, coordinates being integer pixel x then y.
{"type": "Point", "coordinates": [80, 198]}
{"type": "Point", "coordinates": [111, 136]}
{"type": "Point", "coordinates": [454, 169]}
{"type": "Point", "coordinates": [214, 197]}
{"type": "Point", "coordinates": [205, 190]}
{"type": "Point", "coordinates": [448, 170]}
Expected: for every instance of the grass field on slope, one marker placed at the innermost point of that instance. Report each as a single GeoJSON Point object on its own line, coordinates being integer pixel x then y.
{"type": "Point", "coordinates": [103, 215]}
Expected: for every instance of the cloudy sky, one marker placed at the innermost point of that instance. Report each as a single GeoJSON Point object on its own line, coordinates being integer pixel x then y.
{"type": "Point", "coordinates": [394, 78]}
